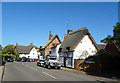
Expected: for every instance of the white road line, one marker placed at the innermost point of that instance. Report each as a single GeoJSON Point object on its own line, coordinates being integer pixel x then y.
{"type": "Point", "coordinates": [49, 75]}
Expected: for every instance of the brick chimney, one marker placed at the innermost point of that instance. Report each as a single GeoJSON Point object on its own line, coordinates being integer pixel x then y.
{"type": "Point", "coordinates": [50, 35]}
{"type": "Point", "coordinates": [69, 31]}
{"type": "Point", "coordinates": [65, 36]}
{"type": "Point", "coordinates": [16, 44]}
{"type": "Point", "coordinates": [31, 43]}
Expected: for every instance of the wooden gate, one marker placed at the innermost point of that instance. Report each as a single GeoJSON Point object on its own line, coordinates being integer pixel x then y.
{"type": "Point", "coordinates": [78, 63]}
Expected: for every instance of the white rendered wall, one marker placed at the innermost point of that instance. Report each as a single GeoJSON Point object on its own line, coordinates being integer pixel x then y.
{"type": "Point", "coordinates": [24, 55]}
{"type": "Point", "coordinates": [55, 51]}
{"type": "Point", "coordinates": [33, 54]}
{"type": "Point", "coordinates": [84, 49]}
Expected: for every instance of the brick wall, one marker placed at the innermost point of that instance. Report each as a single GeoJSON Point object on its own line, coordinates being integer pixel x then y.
{"type": "Point", "coordinates": [48, 48]}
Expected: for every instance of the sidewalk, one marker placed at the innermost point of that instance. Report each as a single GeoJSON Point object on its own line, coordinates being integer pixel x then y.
{"type": "Point", "coordinates": [1, 72]}
{"type": "Point", "coordinates": [85, 74]}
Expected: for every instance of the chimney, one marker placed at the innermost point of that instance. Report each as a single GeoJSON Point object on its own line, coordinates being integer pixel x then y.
{"type": "Point", "coordinates": [31, 43]}
{"type": "Point", "coordinates": [65, 36]}
{"type": "Point", "coordinates": [69, 31]}
{"type": "Point", "coordinates": [50, 35]}
{"type": "Point", "coordinates": [16, 44]}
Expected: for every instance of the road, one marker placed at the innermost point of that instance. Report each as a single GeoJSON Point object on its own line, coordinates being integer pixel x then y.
{"type": "Point", "coordinates": [28, 71]}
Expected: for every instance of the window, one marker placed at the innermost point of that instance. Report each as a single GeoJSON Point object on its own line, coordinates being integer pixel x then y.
{"type": "Point", "coordinates": [68, 49]}
{"type": "Point", "coordinates": [49, 52]}
{"type": "Point", "coordinates": [60, 50]}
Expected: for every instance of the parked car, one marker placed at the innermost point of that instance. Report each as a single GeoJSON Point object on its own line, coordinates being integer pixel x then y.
{"type": "Point", "coordinates": [32, 60]}
{"type": "Point", "coordinates": [9, 58]}
{"type": "Point", "coordinates": [52, 62]}
{"type": "Point", "coordinates": [19, 60]}
{"type": "Point", "coordinates": [28, 60]}
{"type": "Point", "coordinates": [40, 62]}
{"type": "Point", "coordinates": [24, 59]}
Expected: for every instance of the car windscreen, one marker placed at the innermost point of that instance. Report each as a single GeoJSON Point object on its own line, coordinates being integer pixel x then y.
{"type": "Point", "coordinates": [53, 58]}
{"type": "Point", "coordinates": [41, 60]}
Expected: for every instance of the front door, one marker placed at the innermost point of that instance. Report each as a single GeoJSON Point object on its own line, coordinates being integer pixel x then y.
{"type": "Point", "coordinates": [64, 61]}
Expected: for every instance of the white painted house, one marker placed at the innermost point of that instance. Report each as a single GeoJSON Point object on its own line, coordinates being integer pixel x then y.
{"type": "Point", "coordinates": [55, 49]}
{"type": "Point", "coordinates": [77, 44]}
{"type": "Point", "coordinates": [29, 51]}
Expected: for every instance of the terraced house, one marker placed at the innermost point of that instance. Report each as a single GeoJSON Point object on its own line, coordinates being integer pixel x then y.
{"type": "Point", "coordinates": [77, 45]}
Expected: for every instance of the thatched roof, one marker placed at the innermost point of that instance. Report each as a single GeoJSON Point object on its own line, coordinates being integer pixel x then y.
{"type": "Point", "coordinates": [73, 39]}
{"type": "Point", "coordinates": [24, 49]}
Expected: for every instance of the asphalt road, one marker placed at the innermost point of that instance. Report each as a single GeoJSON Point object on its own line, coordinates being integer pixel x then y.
{"type": "Point", "coordinates": [28, 71]}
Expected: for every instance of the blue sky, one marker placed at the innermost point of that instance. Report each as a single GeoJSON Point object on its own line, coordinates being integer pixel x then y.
{"type": "Point", "coordinates": [25, 22]}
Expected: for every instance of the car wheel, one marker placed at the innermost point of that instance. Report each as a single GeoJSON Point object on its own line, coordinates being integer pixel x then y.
{"type": "Point", "coordinates": [44, 66]}
{"type": "Point", "coordinates": [49, 67]}
{"type": "Point", "coordinates": [37, 64]}
{"type": "Point", "coordinates": [40, 64]}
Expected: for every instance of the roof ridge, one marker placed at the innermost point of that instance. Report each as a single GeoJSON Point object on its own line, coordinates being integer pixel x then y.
{"type": "Point", "coordinates": [84, 28]}
{"type": "Point", "coordinates": [101, 44]}
{"type": "Point", "coordinates": [20, 45]}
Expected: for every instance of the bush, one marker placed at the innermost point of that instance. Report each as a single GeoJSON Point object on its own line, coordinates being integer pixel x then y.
{"type": "Point", "coordinates": [109, 62]}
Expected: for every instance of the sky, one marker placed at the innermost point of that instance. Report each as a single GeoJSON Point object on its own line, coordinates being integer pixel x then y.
{"type": "Point", "coordinates": [26, 22]}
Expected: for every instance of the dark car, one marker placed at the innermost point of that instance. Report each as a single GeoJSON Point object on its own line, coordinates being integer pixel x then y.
{"type": "Point", "coordinates": [24, 59]}
{"type": "Point", "coordinates": [9, 58]}
{"type": "Point", "coordinates": [19, 59]}
{"type": "Point", "coordinates": [28, 60]}
{"type": "Point", "coordinates": [40, 62]}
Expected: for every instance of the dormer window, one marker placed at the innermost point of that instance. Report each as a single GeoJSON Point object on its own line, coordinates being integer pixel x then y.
{"type": "Point", "coordinates": [68, 49]}
{"type": "Point", "coordinates": [49, 52]}
{"type": "Point", "coordinates": [60, 49]}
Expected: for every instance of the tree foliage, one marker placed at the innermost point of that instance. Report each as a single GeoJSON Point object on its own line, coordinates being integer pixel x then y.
{"type": "Point", "coordinates": [8, 49]}
{"type": "Point", "coordinates": [116, 35]}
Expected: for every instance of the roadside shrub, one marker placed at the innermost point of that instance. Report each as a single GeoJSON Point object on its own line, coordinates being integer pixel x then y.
{"type": "Point", "coordinates": [104, 62]}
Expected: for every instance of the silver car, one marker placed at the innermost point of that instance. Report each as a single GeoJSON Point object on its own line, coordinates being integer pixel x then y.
{"type": "Point", "coordinates": [40, 62]}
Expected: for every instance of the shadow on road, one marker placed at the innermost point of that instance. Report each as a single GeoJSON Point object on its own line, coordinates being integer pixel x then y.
{"type": "Point", "coordinates": [111, 75]}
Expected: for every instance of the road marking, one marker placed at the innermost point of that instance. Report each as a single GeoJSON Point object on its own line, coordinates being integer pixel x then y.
{"type": "Point", "coordinates": [49, 75]}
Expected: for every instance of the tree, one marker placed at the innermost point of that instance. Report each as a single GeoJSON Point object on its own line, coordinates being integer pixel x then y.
{"type": "Point", "coordinates": [108, 39]}
{"type": "Point", "coordinates": [8, 49]}
{"type": "Point", "coordinates": [116, 35]}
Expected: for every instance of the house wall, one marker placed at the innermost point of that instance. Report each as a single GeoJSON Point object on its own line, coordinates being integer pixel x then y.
{"type": "Point", "coordinates": [48, 48]}
{"type": "Point", "coordinates": [33, 54]}
{"type": "Point", "coordinates": [55, 50]}
{"type": "Point", "coordinates": [84, 49]}
{"type": "Point", "coordinates": [23, 55]}
{"type": "Point", "coordinates": [61, 57]}
{"type": "Point", "coordinates": [66, 59]}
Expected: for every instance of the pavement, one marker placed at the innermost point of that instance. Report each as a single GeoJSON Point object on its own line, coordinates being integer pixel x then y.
{"type": "Point", "coordinates": [28, 71]}
{"type": "Point", "coordinates": [84, 73]}
{"type": "Point", "coordinates": [1, 72]}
